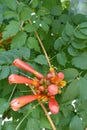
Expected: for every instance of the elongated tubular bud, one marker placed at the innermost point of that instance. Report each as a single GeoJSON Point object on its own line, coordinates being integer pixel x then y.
{"type": "Point", "coordinates": [22, 65]}
{"type": "Point", "coordinates": [53, 106]}
{"type": "Point", "coordinates": [19, 102]}
{"type": "Point", "coordinates": [14, 78]}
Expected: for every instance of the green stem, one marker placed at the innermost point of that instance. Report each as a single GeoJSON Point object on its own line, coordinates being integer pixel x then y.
{"type": "Point", "coordinates": [12, 93]}
{"type": "Point", "coordinates": [26, 116]}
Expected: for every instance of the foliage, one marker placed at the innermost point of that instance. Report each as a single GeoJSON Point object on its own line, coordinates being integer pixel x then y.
{"type": "Point", "coordinates": [65, 40]}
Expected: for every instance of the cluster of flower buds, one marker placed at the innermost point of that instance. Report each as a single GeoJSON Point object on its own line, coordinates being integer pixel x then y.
{"type": "Point", "coordinates": [45, 87]}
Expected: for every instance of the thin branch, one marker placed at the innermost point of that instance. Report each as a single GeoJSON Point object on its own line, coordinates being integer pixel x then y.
{"type": "Point", "coordinates": [48, 116]}
{"type": "Point", "coordinates": [12, 93]}
{"type": "Point", "coordinates": [41, 44]}
{"type": "Point", "coordinates": [30, 111]}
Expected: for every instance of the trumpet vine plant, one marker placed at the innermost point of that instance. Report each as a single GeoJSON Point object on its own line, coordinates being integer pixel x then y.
{"type": "Point", "coordinates": [43, 66]}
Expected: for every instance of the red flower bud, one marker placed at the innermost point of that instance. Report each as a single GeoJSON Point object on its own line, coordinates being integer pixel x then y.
{"type": "Point", "coordinates": [53, 106]}
{"type": "Point", "coordinates": [22, 65]}
{"type": "Point", "coordinates": [14, 78]}
{"type": "Point", "coordinates": [52, 89]}
{"type": "Point", "coordinates": [19, 102]}
{"type": "Point", "coordinates": [50, 75]}
{"type": "Point", "coordinates": [60, 75]}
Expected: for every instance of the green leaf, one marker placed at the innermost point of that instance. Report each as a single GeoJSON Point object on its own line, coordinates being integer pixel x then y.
{"type": "Point", "coordinates": [80, 61]}
{"type": "Point", "coordinates": [61, 58]}
{"type": "Point", "coordinates": [9, 56]}
{"type": "Point", "coordinates": [33, 124]}
{"type": "Point", "coordinates": [56, 10]}
{"type": "Point", "coordinates": [25, 14]}
{"type": "Point", "coordinates": [69, 29]}
{"type": "Point", "coordinates": [72, 91]}
{"type": "Point", "coordinates": [25, 52]}
{"type": "Point", "coordinates": [70, 73]}
{"type": "Point", "coordinates": [79, 19]}
{"type": "Point", "coordinates": [19, 40]}
{"type": "Point", "coordinates": [7, 89]}
{"type": "Point", "coordinates": [43, 11]}
{"type": "Point", "coordinates": [41, 59]}
{"type": "Point", "coordinates": [47, 20]}
{"type": "Point", "coordinates": [64, 18]}
{"type": "Point", "coordinates": [44, 123]}
{"type": "Point", "coordinates": [6, 58]}
{"type": "Point", "coordinates": [16, 53]}
{"type": "Point", "coordinates": [58, 43]}
{"type": "Point", "coordinates": [81, 106]}
{"type": "Point", "coordinates": [4, 72]}
{"type": "Point", "coordinates": [9, 126]}
{"type": "Point", "coordinates": [65, 36]}
{"type": "Point", "coordinates": [12, 4]}
{"type": "Point", "coordinates": [34, 3]}
{"type": "Point", "coordinates": [36, 112]}
{"type": "Point", "coordinates": [65, 116]}
{"type": "Point", "coordinates": [83, 25]}
{"type": "Point", "coordinates": [49, 4]}
{"type": "Point", "coordinates": [76, 124]}
{"type": "Point", "coordinates": [83, 88]}
{"type": "Point", "coordinates": [73, 52]}
{"type": "Point", "coordinates": [55, 118]}
{"type": "Point", "coordinates": [32, 43]}
{"type": "Point", "coordinates": [29, 28]}
{"type": "Point", "coordinates": [9, 14]}
{"type": "Point", "coordinates": [4, 105]}
{"type": "Point", "coordinates": [83, 31]}
{"type": "Point", "coordinates": [11, 29]}
{"type": "Point", "coordinates": [77, 89]}
{"type": "Point", "coordinates": [3, 59]}
{"type": "Point", "coordinates": [80, 35]}
{"type": "Point", "coordinates": [79, 45]}
{"type": "Point", "coordinates": [44, 26]}
{"type": "Point", "coordinates": [56, 26]}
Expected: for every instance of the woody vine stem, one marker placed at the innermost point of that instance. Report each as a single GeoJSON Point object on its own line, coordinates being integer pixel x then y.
{"type": "Point", "coordinates": [48, 60]}
{"type": "Point", "coordinates": [41, 44]}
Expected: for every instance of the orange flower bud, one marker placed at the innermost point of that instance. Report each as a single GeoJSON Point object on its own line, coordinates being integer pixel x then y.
{"type": "Point", "coordinates": [19, 102]}
{"type": "Point", "coordinates": [53, 106]}
{"type": "Point", "coordinates": [14, 78]}
{"type": "Point", "coordinates": [52, 69]}
{"type": "Point", "coordinates": [62, 83]}
{"type": "Point", "coordinates": [41, 88]}
{"type": "Point", "coordinates": [22, 65]}
{"type": "Point", "coordinates": [55, 79]}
